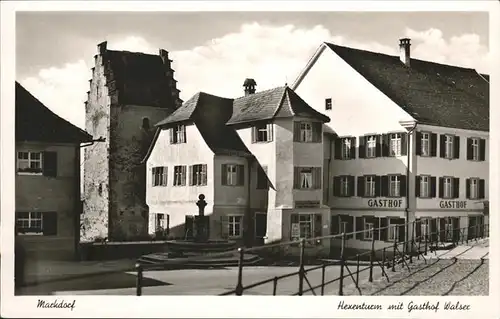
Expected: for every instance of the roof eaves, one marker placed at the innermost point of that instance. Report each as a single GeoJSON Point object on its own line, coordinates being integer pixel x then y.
{"type": "Point", "coordinates": [151, 146]}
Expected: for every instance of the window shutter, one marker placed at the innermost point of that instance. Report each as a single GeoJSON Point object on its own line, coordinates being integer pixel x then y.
{"type": "Point", "coordinates": [317, 133]}
{"type": "Point", "coordinates": [168, 224]}
{"type": "Point", "coordinates": [350, 226]}
{"type": "Point", "coordinates": [270, 133]}
{"type": "Point", "coordinates": [375, 221]}
{"type": "Point", "coordinates": [441, 187]}
{"type": "Point", "coordinates": [384, 186]}
{"type": "Point", "coordinates": [353, 147]}
{"type": "Point", "coordinates": [377, 186]}
{"type": "Point", "coordinates": [338, 148]}
{"type": "Point", "coordinates": [433, 229]}
{"type": "Point", "coordinates": [442, 145]}
{"type": "Point", "coordinates": [481, 189]}
{"type": "Point", "coordinates": [359, 227]}
{"type": "Point", "coordinates": [184, 134]}
{"type": "Point", "coordinates": [433, 187]}
{"type": "Point", "coordinates": [404, 146]}
{"type": "Point", "coordinates": [456, 229]}
{"type": "Point", "coordinates": [49, 223]}
{"type": "Point", "coordinates": [296, 131]}
{"type": "Point", "coordinates": [336, 186]}
{"type": "Point", "coordinates": [417, 185]}
{"type": "Point", "coordinates": [153, 171]}
{"type": "Point", "coordinates": [418, 230]}
{"type": "Point", "coordinates": [296, 177]}
{"type": "Point", "coordinates": [469, 149]}
{"type": "Point", "coordinates": [183, 175]}
{"type": "Point", "coordinates": [351, 186]}
{"type": "Point", "coordinates": [224, 230]}
{"type": "Point", "coordinates": [361, 186]}
{"type": "Point", "coordinates": [433, 144]}
{"type": "Point", "coordinates": [254, 134]}
{"type": "Point", "coordinates": [49, 164]}
{"type": "Point", "coordinates": [318, 225]}
{"type": "Point", "coordinates": [378, 146]}
{"type": "Point", "coordinates": [317, 177]}
{"type": "Point", "coordinates": [456, 187]}
{"type": "Point", "coordinates": [362, 147]}
{"type": "Point", "coordinates": [383, 232]}
{"type": "Point", "coordinates": [402, 185]}
{"type": "Point", "coordinates": [224, 174]}
{"type": "Point", "coordinates": [482, 149]}
{"type": "Point", "coordinates": [419, 143]}
{"type": "Point", "coordinates": [456, 147]}
{"type": "Point", "coordinates": [165, 175]}
{"type": "Point", "coordinates": [204, 175]}
{"type": "Point", "coordinates": [294, 219]}
{"type": "Point", "coordinates": [402, 229]}
{"type": "Point", "coordinates": [191, 175]}
{"type": "Point", "coordinates": [240, 172]}
{"type": "Point", "coordinates": [467, 188]}
{"type": "Point", "coordinates": [385, 145]}
{"type": "Point", "coordinates": [442, 229]}
{"type": "Point", "coordinates": [171, 135]}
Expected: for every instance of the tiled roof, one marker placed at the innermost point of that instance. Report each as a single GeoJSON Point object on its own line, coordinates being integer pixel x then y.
{"type": "Point", "coordinates": [184, 112]}
{"type": "Point", "coordinates": [434, 94]}
{"type": "Point", "coordinates": [141, 79]}
{"type": "Point", "coordinates": [35, 122]}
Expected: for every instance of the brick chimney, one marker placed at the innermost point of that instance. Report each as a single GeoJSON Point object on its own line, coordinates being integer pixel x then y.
{"type": "Point", "coordinates": [404, 51]}
{"type": "Point", "coordinates": [249, 86]}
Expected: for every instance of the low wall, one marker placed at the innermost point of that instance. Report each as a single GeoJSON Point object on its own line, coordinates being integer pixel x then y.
{"type": "Point", "coordinates": [119, 250]}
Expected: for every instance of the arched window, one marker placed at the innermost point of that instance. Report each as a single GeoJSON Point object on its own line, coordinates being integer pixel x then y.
{"type": "Point", "coordinates": [145, 124]}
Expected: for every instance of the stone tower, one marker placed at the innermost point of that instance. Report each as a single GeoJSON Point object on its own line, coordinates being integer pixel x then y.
{"type": "Point", "coordinates": [129, 93]}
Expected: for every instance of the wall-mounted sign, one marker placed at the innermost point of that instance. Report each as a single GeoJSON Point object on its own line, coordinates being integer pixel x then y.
{"type": "Point", "coordinates": [295, 230]}
{"type": "Point", "coordinates": [307, 204]}
{"type": "Point", "coordinates": [385, 203]}
{"type": "Point", "coordinates": [453, 204]}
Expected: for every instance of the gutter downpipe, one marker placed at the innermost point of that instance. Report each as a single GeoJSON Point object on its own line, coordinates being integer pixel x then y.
{"type": "Point", "coordinates": [407, 209]}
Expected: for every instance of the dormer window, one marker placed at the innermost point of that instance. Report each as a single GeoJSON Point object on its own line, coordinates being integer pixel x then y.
{"type": "Point", "coordinates": [178, 134]}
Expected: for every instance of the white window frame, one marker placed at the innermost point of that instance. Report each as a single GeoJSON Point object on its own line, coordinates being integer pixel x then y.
{"type": "Point", "coordinates": [179, 175]}
{"type": "Point", "coordinates": [232, 221]}
{"type": "Point", "coordinates": [306, 224]}
{"type": "Point", "coordinates": [447, 187]}
{"type": "Point", "coordinates": [29, 162]}
{"type": "Point", "coordinates": [306, 178]}
{"type": "Point", "coordinates": [344, 186]}
{"type": "Point", "coordinates": [346, 148]}
{"type": "Point", "coordinates": [158, 173]}
{"type": "Point", "coordinates": [395, 140]}
{"type": "Point", "coordinates": [265, 130]}
{"type": "Point", "coordinates": [394, 185]}
{"type": "Point", "coordinates": [425, 188]}
{"type": "Point", "coordinates": [342, 227]}
{"type": "Point", "coordinates": [449, 146]}
{"type": "Point", "coordinates": [179, 134]}
{"type": "Point", "coordinates": [448, 229]}
{"type": "Point", "coordinates": [306, 132]}
{"type": "Point", "coordinates": [392, 230]}
{"type": "Point", "coordinates": [475, 149]}
{"type": "Point", "coordinates": [368, 230]}
{"type": "Point", "coordinates": [371, 146]}
{"type": "Point", "coordinates": [27, 223]}
{"type": "Point", "coordinates": [369, 186]}
{"type": "Point", "coordinates": [231, 174]}
{"type": "Point", "coordinates": [425, 145]}
{"type": "Point", "coordinates": [424, 228]}
{"type": "Point", "coordinates": [474, 188]}
{"type": "Point", "coordinates": [199, 175]}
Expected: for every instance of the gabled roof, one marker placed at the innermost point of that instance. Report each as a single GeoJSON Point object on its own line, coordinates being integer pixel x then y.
{"type": "Point", "coordinates": [35, 122]}
{"type": "Point", "coordinates": [141, 79]}
{"type": "Point", "coordinates": [433, 93]}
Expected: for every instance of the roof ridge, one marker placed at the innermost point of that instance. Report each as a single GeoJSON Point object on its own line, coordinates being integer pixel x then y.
{"type": "Point", "coordinates": [260, 92]}
{"type": "Point", "coordinates": [133, 52]}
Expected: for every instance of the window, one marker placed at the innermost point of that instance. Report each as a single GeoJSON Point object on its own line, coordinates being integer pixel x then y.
{"type": "Point", "coordinates": [198, 175]}
{"type": "Point", "coordinates": [307, 177]}
{"type": "Point", "coordinates": [160, 224]}
{"type": "Point", "coordinates": [306, 225]}
{"type": "Point", "coordinates": [369, 186]}
{"type": "Point", "coordinates": [29, 223]}
{"type": "Point", "coordinates": [262, 177]}
{"type": "Point", "coordinates": [371, 146]}
{"type": "Point", "coordinates": [305, 132]}
{"type": "Point", "coordinates": [395, 144]}
{"type": "Point", "coordinates": [178, 134]}
{"type": "Point", "coordinates": [474, 188]}
{"type": "Point", "coordinates": [394, 185]}
{"type": "Point", "coordinates": [425, 145]}
{"type": "Point", "coordinates": [159, 176]}
{"type": "Point", "coordinates": [145, 124]}
{"type": "Point", "coordinates": [475, 149]}
{"type": "Point", "coordinates": [368, 234]}
{"type": "Point", "coordinates": [344, 186]}
{"type": "Point", "coordinates": [425, 186]}
{"type": "Point", "coordinates": [424, 228]}
{"type": "Point", "coordinates": [235, 224]}
{"type": "Point", "coordinates": [448, 229]}
{"type": "Point", "coordinates": [179, 175]}
{"type": "Point", "coordinates": [342, 227]}
{"type": "Point", "coordinates": [29, 162]}
{"type": "Point", "coordinates": [263, 133]}
{"type": "Point", "coordinates": [393, 231]}
{"type": "Point", "coordinates": [328, 104]}
{"type": "Point", "coordinates": [232, 175]}
{"type": "Point", "coordinates": [448, 142]}
{"type": "Point", "coordinates": [346, 148]}
{"type": "Point", "coordinates": [447, 187]}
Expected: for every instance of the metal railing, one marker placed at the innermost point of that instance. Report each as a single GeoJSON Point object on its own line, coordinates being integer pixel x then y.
{"type": "Point", "coordinates": [397, 252]}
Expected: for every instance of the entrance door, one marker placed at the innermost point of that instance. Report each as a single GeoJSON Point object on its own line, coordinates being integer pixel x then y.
{"type": "Point", "coordinates": [260, 227]}
{"type": "Point", "coordinates": [471, 232]}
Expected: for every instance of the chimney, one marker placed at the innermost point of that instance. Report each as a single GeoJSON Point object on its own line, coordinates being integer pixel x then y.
{"type": "Point", "coordinates": [249, 86]}
{"type": "Point", "coordinates": [102, 47]}
{"type": "Point", "coordinates": [404, 51]}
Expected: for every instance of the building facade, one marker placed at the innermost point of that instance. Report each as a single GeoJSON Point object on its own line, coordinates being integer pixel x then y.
{"type": "Point", "coordinates": [47, 188]}
{"type": "Point", "coordinates": [410, 144]}
{"type": "Point", "coordinates": [129, 92]}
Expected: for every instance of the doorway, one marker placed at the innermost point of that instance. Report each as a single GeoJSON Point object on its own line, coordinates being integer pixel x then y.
{"type": "Point", "coordinates": [260, 227]}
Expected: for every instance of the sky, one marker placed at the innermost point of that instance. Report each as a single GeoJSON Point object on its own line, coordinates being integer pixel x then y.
{"type": "Point", "coordinates": [214, 52]}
